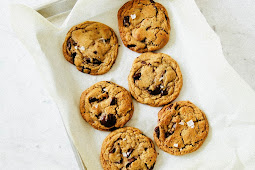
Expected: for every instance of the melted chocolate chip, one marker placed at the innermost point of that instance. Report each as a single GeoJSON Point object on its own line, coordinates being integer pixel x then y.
{"type": "Point", "coordinates": [164, 92]}
{"type": "Point", "coordinates": [119, 162]}
{"type": "Point", "coordinates": [168, 134]}
{"type": "Point", "coordinates": [131, 45]}
{"type": "Point", "coordinates": [156, 91]}
{"type": "Point", "coordinates": [68, 44]}
{"type": "Point", "coordinates": [126, 22]}
{"type": "Point", "coordinates": [130, 150]}
{"type": "Point", "coordinates": [156, 10]}
{"type": "Point", "coordinates": [87, 59]}
{"type": "Point", "coordinates": [143, 62]}
{"type": "Point", "coordinates": [96, 61]}
{"type": "Point", "coordinates": [86, 70]}
{"type": "Point", "coordinates": [108, 120]}
{"type": "Point", "coordinates": [157, 131]}
{"type": "Point", "coordinates": [112, 150]}
{"type": "Point", "coordinates": [73, 55]}
{"type": "Point", "coordinates": [137, 76]}
{"type": "Point", "coordinates": [170, 106]}
{"type": "Point", "coordinates": [95, 52]}
{"type": "Point", "coordinates": [114, 101]}
{"type": "Point", "coordinates": [130, 161]}
{"type": "Point", "coordinates": [92, 99]}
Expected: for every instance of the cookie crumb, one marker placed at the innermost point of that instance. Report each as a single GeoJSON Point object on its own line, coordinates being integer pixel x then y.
{"type": "Point", "coordinates": [176, 145]}
{"type": "Point", "coordinates": [190, 123]}
{"type": "Point", "coordinates": [133, 16]}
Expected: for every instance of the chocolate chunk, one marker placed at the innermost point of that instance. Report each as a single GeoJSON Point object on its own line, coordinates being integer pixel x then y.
{"type": "Point", "coordinates": [112, 150]}
{"type": "Point", "coordinates": [164, 92]}
{"type": "Point", "coordinates": [143, 62]}
{"type": "Point", "coordinates": [145, 149]}
{"type": "Point", "coordinates": [96, 61]}
{"type": "Point", "coordinates": [130, 161]}
{"type": "Point", "coordinates": [73, 55]}
{"type": "Point", "coordinates": [168, 134]}
{"type": "Point", "coordinates": [114, 101]}
{"type": "Point", "coordinates": [126, 22]}
{"type": "Point", "coordinates": [137, 76]}
{"type": "Point", "coordinates": [68, 44]}
{"type": "Point", "coordinates": [108, 120]}
{"type": "Point", "coordinates": [92, 99]}
{"type": "Point", "coordinates": [157, 131]}
{"type": "Point", "coordinates": [156, 91]}
{"type": "Point", "coordinates": [87, 59]}
{"type": "Point", "coordinates": [131, 45]}
{"type": "Point", "coordinates": [95, 52]}
{"type": "Point", "coordinates": [152, 1]}
{"type": "Point", "coordinates": [130, 150]}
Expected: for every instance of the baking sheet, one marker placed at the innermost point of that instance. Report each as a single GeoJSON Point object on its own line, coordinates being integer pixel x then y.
{"type": "Point", "coordinates": [209, 82]}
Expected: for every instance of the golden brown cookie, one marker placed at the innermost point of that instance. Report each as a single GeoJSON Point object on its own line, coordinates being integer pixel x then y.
{"type": "Point", "coordinates": [106, 106]}
{"type": "Point", "coordinates": [182, 128]}
{"type": "Point", "coordinates": [92, 47]}
{"type": "Point", "coordinates": [128, 148]}
{"type": "Point", "coordinates": [155, 79]}
{"type": "Point", "coordinates": [144, 25]}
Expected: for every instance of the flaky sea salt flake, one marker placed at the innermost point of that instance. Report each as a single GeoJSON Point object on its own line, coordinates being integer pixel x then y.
{"type": "Point", "coordinates": [75, 47]}
{"type": "Point", "coordinates": [181, 123]}
{"type": "Point", "coordinates": [124, 154]}
{"type": "Point", "coordinates": [133, 16]}
{"type": "Point", "coordinates": [190, 123]}
{"type": "Point", "coordinates": [82, 48]}
{"type": "Point", "coordinates": [176, 145]}
{"type": "Point", "coordinates": [102, 39]}
{"type": "Point", "coordinates": [161, 78]}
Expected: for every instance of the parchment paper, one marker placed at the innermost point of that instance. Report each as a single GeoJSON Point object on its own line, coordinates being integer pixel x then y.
{"type": "Point", "coordinates": [209, 82]}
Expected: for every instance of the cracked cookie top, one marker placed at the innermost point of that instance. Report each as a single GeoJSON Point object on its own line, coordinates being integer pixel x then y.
{"type": "Point", "coordinates": [182, 128]}
{"type": "Point", "coordinates": [128, 148]}
{"type": "Point", "coordinates": [92, 47]}
{"type": "Point", "coordinates": [155, 79]}
{"type": "Point", "coordinates": [106, 106]}
{"type": "Point", "coordinates": [144, 25]}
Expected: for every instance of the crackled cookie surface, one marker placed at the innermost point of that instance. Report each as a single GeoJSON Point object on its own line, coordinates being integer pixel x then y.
{"type": "Point", "coordinates": [155, 79]}
{"type": "Point", "coordinates": [128, 148]}
{"type": "Point", "coordinates": [144, 25]}
{"type": "Point", "coordinates": [106, 106]}
{"type": "Point", "coordinates": [182, 128]}
{"type": "Point", "coordinates": [92, 47]}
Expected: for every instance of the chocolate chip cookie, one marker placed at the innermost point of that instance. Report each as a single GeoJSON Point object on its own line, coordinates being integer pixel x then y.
{"type": "Point", "coordinates": [182, 128]}
{"type": "Point", "coordinates": [106, 106]}
{"type": "Point", "coordinates": [155, 79]}
{"type": "Point", "coordinates": [144, 25]}
{"type": "Point", "coordinates": [128, 148]}
{"type": "Point", "coordinates": [92, 47]}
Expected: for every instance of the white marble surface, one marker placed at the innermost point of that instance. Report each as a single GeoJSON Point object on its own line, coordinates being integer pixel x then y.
{"type": "Point", "coordinates": [32, 135]}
